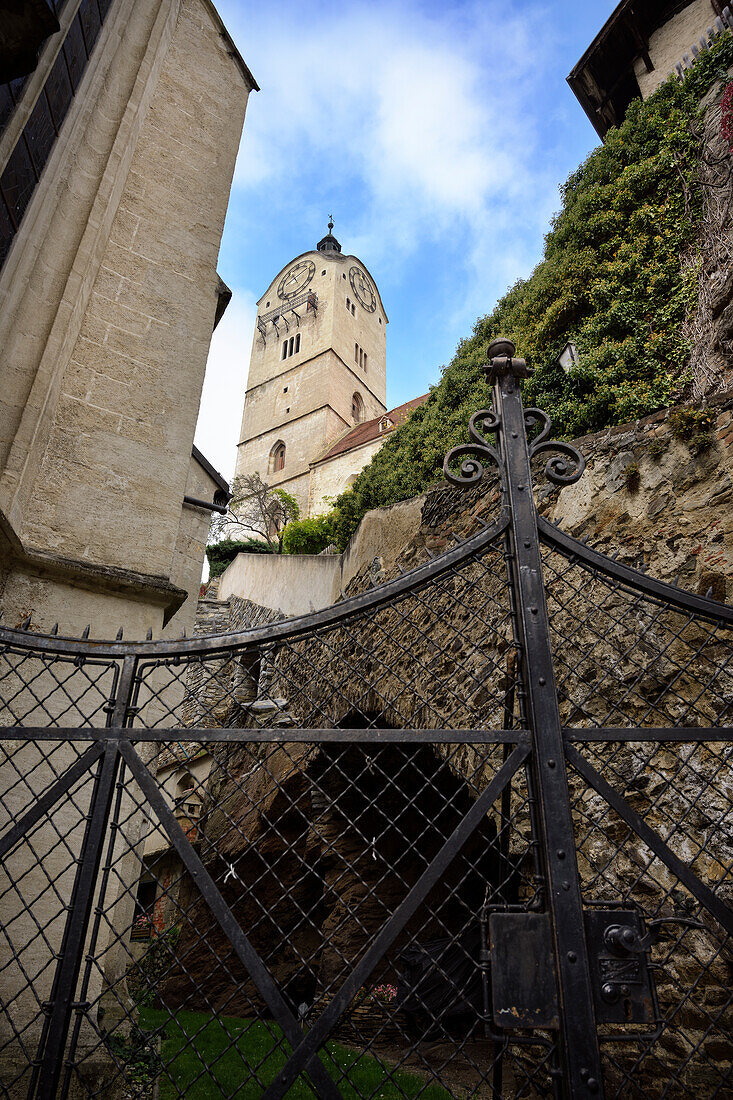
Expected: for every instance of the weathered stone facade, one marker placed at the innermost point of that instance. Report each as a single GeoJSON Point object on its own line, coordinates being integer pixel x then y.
{"type": "Point", "coordinates": [108, 297]}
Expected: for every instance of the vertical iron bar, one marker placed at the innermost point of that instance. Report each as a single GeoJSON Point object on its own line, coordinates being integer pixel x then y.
{"type": "Point", "coordinates": [52, 1047]}
{"type": "Point", "coordinates": [578, 1034]}
{"type": "Point", "coordinates": [119, 714]}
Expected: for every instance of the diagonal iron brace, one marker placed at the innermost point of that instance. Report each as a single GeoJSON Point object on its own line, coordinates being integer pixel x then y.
{"type": "Point", "coordinates": [430, 876]}
{"type": "Point", "coordinates": [717, 908]}
{"type": "Point", "coordinates": [44, 805]}
{"type": "Point", "coordinates": [228, 923]}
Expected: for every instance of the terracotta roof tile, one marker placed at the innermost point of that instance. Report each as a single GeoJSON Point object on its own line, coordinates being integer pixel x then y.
{"type": "Point", "coordinates": [369, 430]}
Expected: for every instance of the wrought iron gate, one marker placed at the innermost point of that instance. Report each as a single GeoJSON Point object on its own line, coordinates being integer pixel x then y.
{"type": "Point", "coordinates": [467, 832]}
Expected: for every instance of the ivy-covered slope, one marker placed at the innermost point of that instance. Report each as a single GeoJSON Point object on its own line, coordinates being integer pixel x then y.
{"type": "Point", "coordinates": [611, 281]}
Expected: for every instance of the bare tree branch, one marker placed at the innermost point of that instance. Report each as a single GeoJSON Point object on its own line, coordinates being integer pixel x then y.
{"type": "Point", "coordinates": [256, 508]}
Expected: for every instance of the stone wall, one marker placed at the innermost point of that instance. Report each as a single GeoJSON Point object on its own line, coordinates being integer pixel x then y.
{"type": "Point", "coordinates": [668, 44]}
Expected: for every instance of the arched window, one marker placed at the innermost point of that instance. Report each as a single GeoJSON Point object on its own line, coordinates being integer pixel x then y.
{"type": "Point", "coordinates": [357, 408]}
{"type": "Point", "coordinates": [277, 457]}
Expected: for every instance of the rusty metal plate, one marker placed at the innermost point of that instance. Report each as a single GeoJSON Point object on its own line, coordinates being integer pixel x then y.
{"type": "Point", "coordinates": [522, 971]}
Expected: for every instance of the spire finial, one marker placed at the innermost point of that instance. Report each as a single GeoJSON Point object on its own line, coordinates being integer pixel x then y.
{"type": "Point", "coordinates": [329, 242]}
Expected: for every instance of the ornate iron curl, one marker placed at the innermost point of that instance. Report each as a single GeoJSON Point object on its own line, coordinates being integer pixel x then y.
{"type": "Point", "coordinates": [559, 470]}
{"type": "Point", "coordinates": [472, 471]}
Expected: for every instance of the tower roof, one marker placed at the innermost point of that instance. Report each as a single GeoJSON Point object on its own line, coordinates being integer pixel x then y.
{"type": "Point", "coordinates": [329, 242]}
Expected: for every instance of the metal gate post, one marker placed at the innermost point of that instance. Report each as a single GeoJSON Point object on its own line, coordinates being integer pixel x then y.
{"type": "Point", "coordinates": [578, 1035]}
{"type": "Point", "coordinates": [52, 1045]}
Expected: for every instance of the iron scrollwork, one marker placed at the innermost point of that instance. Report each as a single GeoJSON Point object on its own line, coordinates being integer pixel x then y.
{"type": "Point", "coordinates": [567, 465]}
{"type": "Point", "coordinates": [479, 450]}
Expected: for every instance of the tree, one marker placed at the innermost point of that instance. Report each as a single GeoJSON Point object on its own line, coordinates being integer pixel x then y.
{"type": "Point", "coordinates": [257, 508]}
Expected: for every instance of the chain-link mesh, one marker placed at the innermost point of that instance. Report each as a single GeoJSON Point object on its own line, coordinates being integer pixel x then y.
{"type": "Point", "coordinates": [624, 659]}
{"type": "Point", "coordinates": [439, 656]}
{"type": "Point", "coordinates": [311, 826]}
{"type": "Point", "coordinates": [627, 659]}
{"type": "Point", "coordinates": [683, 792]}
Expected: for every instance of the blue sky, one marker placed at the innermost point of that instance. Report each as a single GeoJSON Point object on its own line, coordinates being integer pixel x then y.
{"type": "Point", "coordinates": [436, 133]}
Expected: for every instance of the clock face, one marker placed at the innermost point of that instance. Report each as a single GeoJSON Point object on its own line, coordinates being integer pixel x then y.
{"type": "Point", "coordinates": [363, 289]}
{"type": "Point", "coordinates": [296, 279]}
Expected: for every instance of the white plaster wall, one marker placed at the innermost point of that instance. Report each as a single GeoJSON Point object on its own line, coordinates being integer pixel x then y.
{"type": "Point", "coordinates": [292, 583]}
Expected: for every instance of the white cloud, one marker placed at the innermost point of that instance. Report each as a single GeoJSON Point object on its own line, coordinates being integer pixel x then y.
{"type": "Point", "coordinates": [430, 115]}
{"type": "Point", "coordinates": [222, 399]}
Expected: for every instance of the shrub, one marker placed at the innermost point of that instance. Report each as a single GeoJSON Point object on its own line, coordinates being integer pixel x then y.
{"type": "Point", "coordinates": [221, 553]}
{"type": "Point", "coordinates": [693, 427]}
{"type": "Point", "coordinates": [309, 536]}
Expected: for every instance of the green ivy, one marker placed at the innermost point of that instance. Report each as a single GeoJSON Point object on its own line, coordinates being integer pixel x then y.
{"type": "Point", "coordinates": [610, 282]}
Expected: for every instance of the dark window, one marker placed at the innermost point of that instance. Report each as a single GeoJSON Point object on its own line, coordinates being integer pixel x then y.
{"type": "Point", "coordinates": [277, 457]}
{"type": "Point", "coordinates": [6, 104]}
{"type": "Point", "coordinates": [6, 230]}
{"type": "Point", "coordinates": [90, 23]}
{"type": "Point", "coordinates": [18, 181]}
{"type": "Point", "coordinates": [75, 53]}
{"type": "Point", "coordinates": [30, 155]}
{"type": "Point", "coordinates": [58, 90]}
{"type": "Point", "coordinates": [40, 133]}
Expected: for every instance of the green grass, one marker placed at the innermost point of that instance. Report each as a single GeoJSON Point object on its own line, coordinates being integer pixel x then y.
{"type": "Point", "coordinates": [208, 1058]}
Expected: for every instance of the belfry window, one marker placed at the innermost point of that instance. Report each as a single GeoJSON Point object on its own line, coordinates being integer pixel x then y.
{"type": "Point", "coordinates": [290, 346]}
{"type": "Point", "coordinates": [277, 457]}
{"type": "Point", "coordinates": [357, 408]}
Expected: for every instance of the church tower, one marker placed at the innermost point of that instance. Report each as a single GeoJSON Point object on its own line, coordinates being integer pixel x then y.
{"type": "Point", "coordinates": [318, 366]}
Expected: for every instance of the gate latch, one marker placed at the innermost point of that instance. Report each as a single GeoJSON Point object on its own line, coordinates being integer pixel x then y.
{"type": "Point", "coordinates": [618, 946]}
